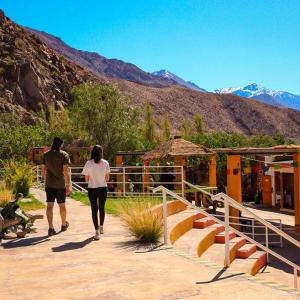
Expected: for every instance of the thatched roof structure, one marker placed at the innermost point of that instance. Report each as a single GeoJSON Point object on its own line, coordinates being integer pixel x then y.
{"type": "Point", "coordinates": [176, 147]}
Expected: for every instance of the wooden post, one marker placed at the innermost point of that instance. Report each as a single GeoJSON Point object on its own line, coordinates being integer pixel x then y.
{"type": "Point", "coordinates": [234, 184]}
{"type": "Point", "coordinates": [146, 176]}
{"type": "Point", "coordinates": [297, 191]}
{"type": "Point", "coordinates": [119, 163]}
{"type": "Point", "coordinates": [179, 161]}
{"type": "Point", "coordinates": [212, 171]}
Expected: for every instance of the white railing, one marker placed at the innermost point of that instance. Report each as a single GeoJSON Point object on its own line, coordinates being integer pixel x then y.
{"type": "Point", "coordinates": [245, 222]}
{"type": "Point", "coordinates": [134, 180]}
{"type": "Point", "coordinates": [227, 202]}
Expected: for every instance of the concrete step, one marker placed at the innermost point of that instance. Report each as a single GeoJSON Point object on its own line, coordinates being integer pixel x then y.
{"type": "Point", "coordinates": [250, 265]}
{"type": "Point", "coordinates": [175, 218]}
{"type": "Point", "coordinates": [178, 224]}
{"type": "Point", "coordinates": [220, 237]}
{"type": "Point", "coordinates": [216, 252]}
{"type": "Point", "coordinates": [203, 223]}
{"type": "Point", "coordinates": [245, 251]}
{"type": "Point", "coordinates": [197, 241]}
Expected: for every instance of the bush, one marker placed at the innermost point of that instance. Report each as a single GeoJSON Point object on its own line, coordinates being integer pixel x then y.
{"type": "Point", "coordinates": [5, 195]}
{"type": "Point", "coordinates": [18, 176]}
{"type": "Point", "coordinates": [141, 221]}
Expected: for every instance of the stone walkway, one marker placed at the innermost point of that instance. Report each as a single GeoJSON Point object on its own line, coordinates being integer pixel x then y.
{"type": "Point", "coordinates": [71, 265]}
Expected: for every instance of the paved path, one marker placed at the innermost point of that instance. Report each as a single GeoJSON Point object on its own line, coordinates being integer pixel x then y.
{"type": "Point", "coordinates": [72, 266]}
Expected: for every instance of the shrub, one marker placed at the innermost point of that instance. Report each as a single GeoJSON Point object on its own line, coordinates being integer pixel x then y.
{"type": "Point", "coordinates": [141, 221]}
{"type": "Point", "coordinates": [9, 61]}
{"type": "Point", "coordinates": [5, 195]}
{"type": "Point", "coordinates": [17, 139]}
{"type": "Point", "coordinates": [18, 176]}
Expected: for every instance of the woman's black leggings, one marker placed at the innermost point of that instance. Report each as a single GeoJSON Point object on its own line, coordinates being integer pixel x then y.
{"type": "Point", "coordinates": [97, 198]}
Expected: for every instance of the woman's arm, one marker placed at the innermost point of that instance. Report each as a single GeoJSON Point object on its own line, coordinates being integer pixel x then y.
{"type": "Point", "coordinates": [85, 172]}
{"type": "Point", "coordinates": [107, 177]}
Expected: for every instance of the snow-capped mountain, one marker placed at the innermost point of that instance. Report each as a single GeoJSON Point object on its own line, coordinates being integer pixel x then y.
{"type": "Point", "coordinates": [259, 92]}
{"type": "Point", "coordinates": [169, 75]}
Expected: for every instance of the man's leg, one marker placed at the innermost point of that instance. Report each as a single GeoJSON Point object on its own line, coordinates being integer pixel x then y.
{"type": "Point", "coordinates": [49, 213]}
{"type": "Point", "coordinates": [63, 213]}
{"type": "Point", "coordinates": [61, 200]}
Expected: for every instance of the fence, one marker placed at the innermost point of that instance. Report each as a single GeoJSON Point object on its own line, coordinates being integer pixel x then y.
{"type": "Point", "coordinates": [131, 180]}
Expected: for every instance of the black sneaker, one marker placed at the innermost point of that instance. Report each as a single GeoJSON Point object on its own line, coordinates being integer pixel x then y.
{"type": "Point", "coordinates": [65, 227]}
{"type": "Point", "coordinates": [51, 231]}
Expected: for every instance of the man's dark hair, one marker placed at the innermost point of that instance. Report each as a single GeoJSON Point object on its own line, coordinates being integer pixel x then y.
{"type": "Point", "coordinates": [97, 153]}
{"type": "Point", "coordinates": [56, 144]}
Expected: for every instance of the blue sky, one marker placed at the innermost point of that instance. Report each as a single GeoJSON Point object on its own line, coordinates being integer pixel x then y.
{"type": "Point", "coordinates": [214, 43]}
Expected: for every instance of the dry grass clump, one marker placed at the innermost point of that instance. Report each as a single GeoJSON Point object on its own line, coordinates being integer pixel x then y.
{"type": "Point", "coordinates": [141, 221]}
{"type": "Point", "coordinates": [5, 195]}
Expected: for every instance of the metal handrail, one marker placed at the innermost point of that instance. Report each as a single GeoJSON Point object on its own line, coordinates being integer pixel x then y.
{"type": "Point", "coordinates": [232, 202]}
{"type": "Point", "coordinates": [165, 191]}
{"type": "Point", "coordinates": [218, 197]}
{"type": "Point", "coordinates": [77, 187]}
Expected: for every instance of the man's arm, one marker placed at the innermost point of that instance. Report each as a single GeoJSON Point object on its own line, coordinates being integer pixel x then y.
{"type": "Point", "coordinates": [44, 171]}
{"type": "Point", "coordinates": [67, 179]}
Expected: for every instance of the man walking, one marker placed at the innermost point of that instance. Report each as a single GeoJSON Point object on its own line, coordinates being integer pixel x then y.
{"type": "Point", "coordinates": [57, 182]}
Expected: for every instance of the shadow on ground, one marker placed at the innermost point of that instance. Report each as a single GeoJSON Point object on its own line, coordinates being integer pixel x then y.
{"type": "Point", "coordinates": [73, 245]}
{"type": "Point", "coordinates": [219, 277]}
{"type": "Point", "coordinates": [139, 247]}
{"type": "Point", "coordinates": [25, 242]}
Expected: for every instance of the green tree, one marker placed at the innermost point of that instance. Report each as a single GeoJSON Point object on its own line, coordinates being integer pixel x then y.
{"type": "Point", "coordinates": [187, 129]}
{"type": "Point", "coordinates": [17, 140]}
{"type": "Point", "coordinates": [149, 128]}
{"type": "Point", "coordinates": [60, 124]}
{"type": "Point", "coordinates": [105, 116]}
{"type": "Point", "coordinates": [166, 128]}
{"type": "Point", "coordinates": [199, 125]}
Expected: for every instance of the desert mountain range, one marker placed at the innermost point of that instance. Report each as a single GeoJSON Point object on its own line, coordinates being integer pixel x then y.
{"type": "Point", "coordinates": [35, 73]}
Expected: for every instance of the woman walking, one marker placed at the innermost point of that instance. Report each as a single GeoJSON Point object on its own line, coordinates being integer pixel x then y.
{"type": "Point", "coordinates": [96, 171]}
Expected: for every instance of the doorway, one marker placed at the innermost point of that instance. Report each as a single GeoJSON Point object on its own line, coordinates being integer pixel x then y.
{"type": "Point", "coordinates": [288, 190]}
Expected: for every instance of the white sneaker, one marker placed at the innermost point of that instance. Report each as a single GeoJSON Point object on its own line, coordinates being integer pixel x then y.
{"type": "Point", "coordinates": [97, 235]}
{"type": "Point", "coordinates": [101, 230]}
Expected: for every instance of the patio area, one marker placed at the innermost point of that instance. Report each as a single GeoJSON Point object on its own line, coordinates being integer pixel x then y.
{"type": "Point", "coordinates": [72, 266]}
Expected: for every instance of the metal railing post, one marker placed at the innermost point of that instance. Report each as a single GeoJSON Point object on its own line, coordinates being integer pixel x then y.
{"type": "Point", "coordinates": [165, 215]}
{"type": "Point", "coordinates": [295, 278]}
{"type": "Point", "coordinates": [281, 244]}
{"type": "Point", "coordinates": [124, 183]}
{"type": "Point", "coordinates": [267, 242]}
{"type": "Point", "coordinates": [182, 181]}
{"type": "Point", "coordinates": [227, 258]}
{"type": "Point", "coordinates": [252, 223]}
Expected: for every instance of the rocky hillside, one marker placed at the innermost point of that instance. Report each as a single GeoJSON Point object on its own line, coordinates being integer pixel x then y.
{"type": "Point", "coordinates": [100, 65]}
{"type": "Point", "coordinates": [229, 113]}
{"type": "Point", "coordinates": [33, 75]}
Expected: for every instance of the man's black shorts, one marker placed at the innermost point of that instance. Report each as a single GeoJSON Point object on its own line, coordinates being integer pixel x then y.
{"type": "Point", "coordinates": [58, 194]}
